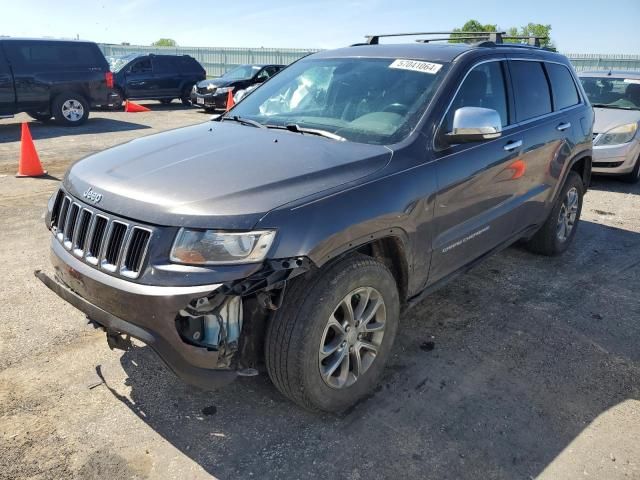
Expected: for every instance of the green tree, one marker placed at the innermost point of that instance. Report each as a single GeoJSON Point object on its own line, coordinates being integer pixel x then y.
{"type": "Point", "coordinates": [531, 29]}
{"type": "Point", "coordinates": [165, 42]}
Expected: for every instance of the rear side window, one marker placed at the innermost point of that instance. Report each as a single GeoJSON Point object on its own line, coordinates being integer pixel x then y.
{"type": "Point", "coordinates": [531, 89]}
{"type": "Point", "coordinates": [483, 87]}
{"type": "Point", "coordinates": [55, 53]}
{"type": "Point", "coordinates": [563, 87]}
{"type": "Point", "coordinates": [164, 65]}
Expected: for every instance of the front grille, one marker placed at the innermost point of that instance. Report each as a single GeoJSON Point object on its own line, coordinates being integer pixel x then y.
{"type": "Point", "coordinates": [107, 243]}
{"type": "Point", "coordinates": [607, 164]}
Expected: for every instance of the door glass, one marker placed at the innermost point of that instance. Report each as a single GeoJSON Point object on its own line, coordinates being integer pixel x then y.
{"type": "Point", "coordinates": [142, 66]}
{"type": "Point", "coordinates": [531, 89]}
{"type": "Point", "coordinates": [564, 89]}
{"type": "Point", "coordinates": [483, 87]}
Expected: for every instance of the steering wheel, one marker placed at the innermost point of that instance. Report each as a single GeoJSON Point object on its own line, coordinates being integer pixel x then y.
{"type": "Point", "coordinates": [398, 108]}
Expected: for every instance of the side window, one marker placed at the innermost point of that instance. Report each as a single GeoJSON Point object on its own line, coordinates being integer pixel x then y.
{"type": "Point", "coordinates": [530, 89]}
{"type": "Point", "coordinates": [164, 65]}
{"type": "Point", "coordinates": [563, 86]}
{"type": "Point", "coordinates": [484, 87]}
{"type": "Point", "coordinates": [142, 66]}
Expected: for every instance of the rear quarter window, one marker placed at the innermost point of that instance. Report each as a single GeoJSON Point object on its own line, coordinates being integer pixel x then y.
{"type": "Point", "coordinates": [531, 89]}
{"type": "Point", "coordinates": [563, 87]}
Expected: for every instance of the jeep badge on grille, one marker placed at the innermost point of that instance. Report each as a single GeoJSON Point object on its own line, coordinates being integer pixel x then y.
{"type": "Point", "coordinates": [92, 195]}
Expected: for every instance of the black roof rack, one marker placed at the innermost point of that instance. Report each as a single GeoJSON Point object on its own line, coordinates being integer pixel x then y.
{"type": "Point", "coordinates": [483, 39]}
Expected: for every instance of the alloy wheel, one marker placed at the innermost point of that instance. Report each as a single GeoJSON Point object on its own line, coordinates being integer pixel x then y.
{"type": "Point", "coordinates": [352, 337]}
{"type": "Point", "coordinates": [72, 110]}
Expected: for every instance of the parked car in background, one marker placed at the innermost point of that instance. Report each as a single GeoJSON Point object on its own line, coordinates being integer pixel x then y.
{"type": "Point", "coordinates": [156, 77]}
{"type": "Point", "coordinates": [57, 79]}
{"type": "Point", "coordinates": [212, 94]}
{"type": "Point", "coordinates": [288, 234]}
{"type": "Point", "coordinates": [615, 96]}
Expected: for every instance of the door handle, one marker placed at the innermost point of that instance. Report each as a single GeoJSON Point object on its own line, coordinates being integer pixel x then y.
{"type": "Point", "coordinates": [513, 145]}
{"type": "Point", "coordinates": [563, 126]}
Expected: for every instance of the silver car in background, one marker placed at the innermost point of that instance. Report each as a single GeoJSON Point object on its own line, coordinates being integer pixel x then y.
{"type": "Point", "coordinates": [615, 96]}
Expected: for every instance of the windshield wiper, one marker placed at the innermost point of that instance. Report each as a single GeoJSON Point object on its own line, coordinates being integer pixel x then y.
{"type": "Point", "coordinates": [608, 105]}
{"type": "Point", "coordinates": [243, 121]}
{"type": "Point", "coordinates": [293, 127]}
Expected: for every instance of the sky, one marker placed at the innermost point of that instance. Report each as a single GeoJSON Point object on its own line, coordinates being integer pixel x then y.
{"type": "Point", "coordinates": [578, 26]}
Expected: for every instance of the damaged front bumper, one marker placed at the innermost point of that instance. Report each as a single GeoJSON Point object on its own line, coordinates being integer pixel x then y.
{"type": "Point", "coordinates": [150, 313]}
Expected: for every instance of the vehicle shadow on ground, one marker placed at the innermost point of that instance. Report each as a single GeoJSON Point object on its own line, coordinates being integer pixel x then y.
{"type": "Point", "coordinates": [11, 132]}
{"type": "Point", "coordinates": [493, 377]}
{"type": "Point", "coordinates": [614, 184]}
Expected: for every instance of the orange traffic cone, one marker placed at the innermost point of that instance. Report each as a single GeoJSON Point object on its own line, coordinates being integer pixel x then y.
{"type": "Point", "coordinates": [230, 102]}
{"type": "Point", "coordinates": [134, 107]}
{"type": "Point", "coordinates": [29, 165]}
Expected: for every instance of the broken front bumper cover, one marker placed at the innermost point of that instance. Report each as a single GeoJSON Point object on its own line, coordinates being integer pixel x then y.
{"type": "Point", "coordinates": [144, 312]}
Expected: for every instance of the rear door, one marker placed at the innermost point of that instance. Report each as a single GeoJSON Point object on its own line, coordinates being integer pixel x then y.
{"type": "Point", "coordinates": [167, 75]}
{"type": "Point", "coordinates": [544, 133]}
{"type": "Point", "coordinates": [7, 93]}
{"type": "Point", "coordinates": [140, 81]}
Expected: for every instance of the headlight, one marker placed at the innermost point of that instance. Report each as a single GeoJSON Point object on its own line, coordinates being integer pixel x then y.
{"type": "Point", "coordinates": [211, 247]}
{"type": "Point", "coordinates": [195, 88]}
{"type": "Point", "coordinates": [618, 135]}
{"type": "Point", "coordinates": [239, 95]}
{"type": "Point", "coordinates": [223, 90]}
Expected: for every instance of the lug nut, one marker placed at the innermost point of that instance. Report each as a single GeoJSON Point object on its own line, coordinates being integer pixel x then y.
{"type": "Point", "coordinates": [347, 328]}
{"type": "Point", "coordinates": [196, 335]}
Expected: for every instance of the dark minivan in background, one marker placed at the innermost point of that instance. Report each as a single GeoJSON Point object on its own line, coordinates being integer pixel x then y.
{"type": "Point", "coordinates": [156, 77]}
{"type": "Point", "coordinates": [60, 79]}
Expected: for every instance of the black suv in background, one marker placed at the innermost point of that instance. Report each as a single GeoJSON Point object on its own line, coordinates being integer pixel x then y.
{"type": "Point", "coordinates": [213, 94]}
{"type": "Point", "coordinates": [57, 79]}
{"type": "Point", "coordinates": [157, 77]}
{"type": "Point", "coordinates": [290, 232]}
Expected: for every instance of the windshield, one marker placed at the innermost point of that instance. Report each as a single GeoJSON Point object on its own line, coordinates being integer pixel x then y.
{"type": "Point", "coordinates": [116, 63]}
{"type": "Point", "coordinates": [375, 101]}
{"type": "Point", "coordinates": [622, 93]}
{"type": "Point", "coordinates": [243, 72]}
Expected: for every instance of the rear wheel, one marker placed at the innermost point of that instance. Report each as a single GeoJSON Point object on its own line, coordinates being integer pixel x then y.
{"type": "Point", "coordinates": [70, 109]}
{"type": "Point", "coordinates": [41, 117]}
{"type": "Point", "coordinates": [634, 175]}
{"type": "Point", "coordinates": [327, 345]}
{"type": "Point", "coordinates": [556, 234]}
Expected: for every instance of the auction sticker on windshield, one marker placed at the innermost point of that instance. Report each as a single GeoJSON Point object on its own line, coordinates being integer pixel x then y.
{"type": "Point", "coordinates": [416, 66]}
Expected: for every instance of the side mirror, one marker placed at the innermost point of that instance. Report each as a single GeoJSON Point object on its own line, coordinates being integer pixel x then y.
{"type": "Point", "coordinates": [474, 124]}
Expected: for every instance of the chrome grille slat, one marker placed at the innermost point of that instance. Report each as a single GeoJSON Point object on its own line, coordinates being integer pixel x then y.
{"type": "Point", "coordinates": [63, 218]}
{"type": "Point", "coordinates": [105, 242]}
{"type": "Point", "coordinates": [70, 225]}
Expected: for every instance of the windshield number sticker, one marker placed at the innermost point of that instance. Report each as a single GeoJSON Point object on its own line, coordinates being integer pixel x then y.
{"type": "Point", "coordinates": [416, 66]}
{"type": "Point", "coordinates": [632, 80]}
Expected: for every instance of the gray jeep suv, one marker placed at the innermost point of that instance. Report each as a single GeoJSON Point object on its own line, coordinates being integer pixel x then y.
{"type": "Point", "coordinates": [289, 234]}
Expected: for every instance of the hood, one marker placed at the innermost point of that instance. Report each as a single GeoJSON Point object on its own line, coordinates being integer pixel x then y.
{"type": "Point", "coordinates": [608, 118]}
{"type": "Point", "coordinates": [218, 175]}
{"type": "Point", "coordinates": [217, 82]}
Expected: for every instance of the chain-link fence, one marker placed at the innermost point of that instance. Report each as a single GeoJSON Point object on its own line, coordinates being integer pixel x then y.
{"type": "Point", "coordinates": [216, 61]}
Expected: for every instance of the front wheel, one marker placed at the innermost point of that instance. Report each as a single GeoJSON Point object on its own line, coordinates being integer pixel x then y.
{"type": "Point", "coordinates": [327, 345]}
{"type": "Point", "coordinates": [556, 234]}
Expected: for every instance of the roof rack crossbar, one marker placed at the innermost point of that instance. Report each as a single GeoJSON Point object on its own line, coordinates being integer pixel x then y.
{"type": "Point", "coordinates": [495, 37]}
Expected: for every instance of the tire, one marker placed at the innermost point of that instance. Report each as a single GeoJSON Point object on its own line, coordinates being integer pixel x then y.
{"type": "Point", "coordinates": [301, 327]}
{"type": "Point", "coordinates": [39, 116]}
{"type": "Point", "coordinates": [634, 175]}
{"type": "Point", "coordinates": [186, 97]}
{"type": "Point", "coordinates": [118, 101]}
{"type": "Point", "coordinates": [165, 101]}
{"type": "Point", "coordinates": [553, 238]}
{"type": "Point", "coordinates": [70, 109]}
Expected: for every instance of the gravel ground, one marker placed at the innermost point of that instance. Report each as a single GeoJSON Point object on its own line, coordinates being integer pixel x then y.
{"type": "Point", "coordinates": [525, 367]}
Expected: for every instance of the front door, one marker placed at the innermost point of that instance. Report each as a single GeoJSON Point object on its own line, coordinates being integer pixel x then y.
{"type": "Point", "coordinates": [477, 182]}
{"type": "Point", "coordinates": [140, 81]}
